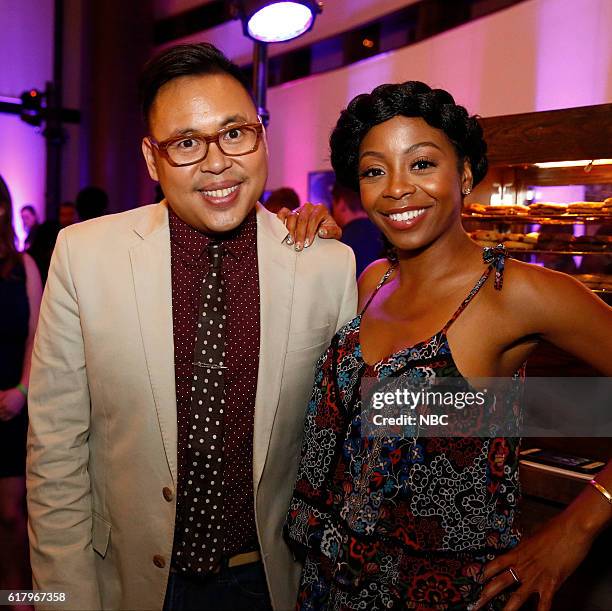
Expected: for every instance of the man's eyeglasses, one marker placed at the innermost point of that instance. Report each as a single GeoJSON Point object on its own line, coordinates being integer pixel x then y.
{"type": "Point", "coordinates": [233, 141]}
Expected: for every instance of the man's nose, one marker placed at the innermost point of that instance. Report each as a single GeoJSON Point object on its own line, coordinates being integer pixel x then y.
{"type": "Point", "coordinates": [216, 161]}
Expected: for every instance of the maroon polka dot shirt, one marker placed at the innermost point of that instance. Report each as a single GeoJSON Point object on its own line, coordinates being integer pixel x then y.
{"type": "Point", "coordinates": [189, 260]}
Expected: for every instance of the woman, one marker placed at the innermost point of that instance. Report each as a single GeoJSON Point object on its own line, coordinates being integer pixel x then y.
{"type": "Point", "coordinates": [428, 523]}
{"type": "Point", "coordinates": [20, 294]}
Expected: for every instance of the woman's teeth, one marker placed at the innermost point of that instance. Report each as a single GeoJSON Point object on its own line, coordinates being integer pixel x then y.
{"type": "Point", "coordinates": [220, 192]}
{"type": "Point", "coordinates": [408, 215]}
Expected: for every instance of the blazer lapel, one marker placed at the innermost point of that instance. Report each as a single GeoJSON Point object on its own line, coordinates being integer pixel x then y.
{"type": "Point", "coordinates": [276, 263]}
{"type": "Point", "coordinates": [151, 270]}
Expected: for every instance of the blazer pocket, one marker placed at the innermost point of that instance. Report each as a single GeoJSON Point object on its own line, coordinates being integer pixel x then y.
{"type": "Point", "coordinates": [100, 534]}
{"type": "Point", "coordinates": [309, 338]}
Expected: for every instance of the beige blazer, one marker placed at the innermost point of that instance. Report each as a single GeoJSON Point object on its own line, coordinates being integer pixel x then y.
{"type": "Point", "coordinates": [102, 444]}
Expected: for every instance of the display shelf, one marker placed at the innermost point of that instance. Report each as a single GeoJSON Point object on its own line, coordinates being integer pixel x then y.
{"type": "Point", "coordinates": [559, 219]}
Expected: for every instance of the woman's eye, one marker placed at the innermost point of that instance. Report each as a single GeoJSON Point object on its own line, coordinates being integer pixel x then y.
{"type": "Point", "coordinates": [371, 172]}
{"type": "Point", "coordinates": [422, 164]}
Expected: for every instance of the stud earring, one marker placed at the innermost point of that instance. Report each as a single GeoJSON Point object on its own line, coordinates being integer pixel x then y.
{"type": "Point", "coordinates": [467, 191]}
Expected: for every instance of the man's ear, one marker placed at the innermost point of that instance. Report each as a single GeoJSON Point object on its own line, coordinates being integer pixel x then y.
{"type": "Point", "coordinates": [147, 151]}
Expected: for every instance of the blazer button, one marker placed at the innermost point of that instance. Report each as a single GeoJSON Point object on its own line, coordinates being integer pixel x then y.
{"type": "Point", "coordinates": [167, 494]}
{"type": "Point", "coordinates": [159, 561]}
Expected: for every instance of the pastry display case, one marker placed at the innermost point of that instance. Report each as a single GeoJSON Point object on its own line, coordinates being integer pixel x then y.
{"type": "Point", "coordinates": [548, 193]}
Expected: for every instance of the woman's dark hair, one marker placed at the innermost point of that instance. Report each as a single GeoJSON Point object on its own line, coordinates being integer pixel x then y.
{"type": "Point", "coordinates": [9, 256]}
{"type": "Point", "coordinates": [410, 99]}
{"type": "Point", "coordinates": [183, 60]}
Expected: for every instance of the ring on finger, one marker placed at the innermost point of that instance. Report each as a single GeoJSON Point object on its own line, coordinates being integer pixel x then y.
{"type": "Point", "coordinates": [514, 575]}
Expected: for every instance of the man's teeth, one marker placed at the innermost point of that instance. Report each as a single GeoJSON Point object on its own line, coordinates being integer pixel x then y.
{"type": "Point", "coordinates": [408, 215]}
{"type": "Point", "coordinates": [220, 192]}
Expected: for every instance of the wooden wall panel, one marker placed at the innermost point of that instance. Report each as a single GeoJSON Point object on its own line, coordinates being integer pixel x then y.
{"type": "Point", "coordinates": [554, 135]}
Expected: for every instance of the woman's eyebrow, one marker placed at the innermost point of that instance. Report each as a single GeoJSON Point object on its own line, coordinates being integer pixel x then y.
{"type": "Point", "coordinates": [408, 151]}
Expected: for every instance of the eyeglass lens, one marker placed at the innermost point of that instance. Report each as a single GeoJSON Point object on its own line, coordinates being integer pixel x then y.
{"type": "Point", "coordinates": [233, 141]}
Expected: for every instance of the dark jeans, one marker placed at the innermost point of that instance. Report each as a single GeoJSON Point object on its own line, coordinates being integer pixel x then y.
{"type": "Point", "coordinates": [242, 588]}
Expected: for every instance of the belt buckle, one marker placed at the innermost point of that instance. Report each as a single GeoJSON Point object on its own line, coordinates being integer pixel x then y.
{"type": "Point", "coordinates": [243, 559]}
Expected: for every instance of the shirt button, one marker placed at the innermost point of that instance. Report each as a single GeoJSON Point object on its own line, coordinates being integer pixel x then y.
{"type": "Point", "coordinates": [167, 494]}
{"type": "Point", "coordinates": [159, 562]}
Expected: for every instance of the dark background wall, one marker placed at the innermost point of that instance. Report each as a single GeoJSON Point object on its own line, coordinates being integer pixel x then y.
{"type": "Point", "coordinates": [117, 40]}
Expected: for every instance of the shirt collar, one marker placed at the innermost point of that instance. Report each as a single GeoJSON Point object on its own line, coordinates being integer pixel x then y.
{"type": "Point", "coordinates": [238, 243]}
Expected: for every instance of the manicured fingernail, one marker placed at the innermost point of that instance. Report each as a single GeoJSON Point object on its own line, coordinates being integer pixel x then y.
{"type": "Point", "coordinates": [299, 246]}
{"type": "Point", "coordinates": [306, 243]}
{"type": "Point", "coordinates": [322, 232]}
{"type": "Point", "coordinates": [289, 240]}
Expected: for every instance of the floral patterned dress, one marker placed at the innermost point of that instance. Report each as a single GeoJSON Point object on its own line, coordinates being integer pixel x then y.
{"type": "Point", "coordinates": [397, 522]}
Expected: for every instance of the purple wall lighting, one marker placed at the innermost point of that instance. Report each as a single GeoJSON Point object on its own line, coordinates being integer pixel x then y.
{"type": "Point", "coordinates": [26, 43]}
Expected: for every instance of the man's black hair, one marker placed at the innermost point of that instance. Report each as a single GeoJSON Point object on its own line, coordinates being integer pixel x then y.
{"type": "Point", "coordinates": [183, 60]}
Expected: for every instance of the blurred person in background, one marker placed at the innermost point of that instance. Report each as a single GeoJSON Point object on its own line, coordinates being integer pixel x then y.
{"type": "Point", "coordinates": [358, 231]}
{"type": "Point", "coordinates": [29, 221]}
{"type": "Point", "coordinates": [42, 246]}
{"type": "Point", "coordinates": [20, 294]}
{"type": "Point", "coordinates": [67, 214]}
{"type": "Point", "coordinates": [285, 197]}
{"type": "Point", "coordinates": [91, 202]}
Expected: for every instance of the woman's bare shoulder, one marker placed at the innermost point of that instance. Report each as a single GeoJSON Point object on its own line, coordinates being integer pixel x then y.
{"type": "Point", "coordinates": [538, 292]}
{"type": "Point", "coordinates": [537, 282]}
{"type": "Point", "coordinates": [369, 279]}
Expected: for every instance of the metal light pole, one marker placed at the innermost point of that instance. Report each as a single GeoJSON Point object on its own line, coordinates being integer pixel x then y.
{"type": "Point", "coordinates": [54, 132]}
{"type": "Point", "coordinates": [260, 79]}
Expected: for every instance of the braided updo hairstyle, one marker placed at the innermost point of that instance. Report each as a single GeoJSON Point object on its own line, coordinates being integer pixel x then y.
{"type": "Point", "coordinates": [410, 99]}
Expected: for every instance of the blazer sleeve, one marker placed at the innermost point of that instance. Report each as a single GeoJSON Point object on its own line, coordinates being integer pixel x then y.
{"type": "Point", "coordinates": [58, 484]}
{"type": "Point", "coordinates": [348, 305]}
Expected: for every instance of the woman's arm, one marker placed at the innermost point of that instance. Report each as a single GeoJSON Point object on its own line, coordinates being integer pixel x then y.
{"type": "Point", "coordinates": [13, 399]}
{"type": "Point", "coordinates": [545, 560]}
{"type": "Point", "coordinates": [34, 290]}
{"type": "Point", "coordinates": [565, 313]}
{"type": "Point", "coordinates": [557, 308]}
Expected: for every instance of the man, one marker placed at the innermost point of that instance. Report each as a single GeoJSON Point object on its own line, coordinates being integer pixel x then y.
{"type": "Point", "coordinates": [285, 197]}
{"type": "Point", "coordinates": [172, 367]}
{"type": "Point", "coordinates": [358, 231]}
{"type": "Point", "coordinates": [67, 214]}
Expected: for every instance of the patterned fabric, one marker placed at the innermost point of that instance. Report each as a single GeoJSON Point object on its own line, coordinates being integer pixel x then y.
{"type": "Point", "coordinates": [189, 260]}
{"type": "Point", "coordinates": [396, 522]}
{"type": "Point", "coordinates": [496, 257]}
{"type": "Point", "coordinates": [202, 540]}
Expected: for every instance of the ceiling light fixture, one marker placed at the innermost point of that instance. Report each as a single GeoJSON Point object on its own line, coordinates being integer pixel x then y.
{"type": "Point", "coordinates": [274, 21]}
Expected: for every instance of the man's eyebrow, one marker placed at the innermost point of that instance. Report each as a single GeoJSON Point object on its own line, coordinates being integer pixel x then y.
{"type": "Point", "coordinates": [188, 131]}
{"type": "Point", "coordinates": [408, 151]}
{"type": "Point", "coordinates": [238, 118]}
